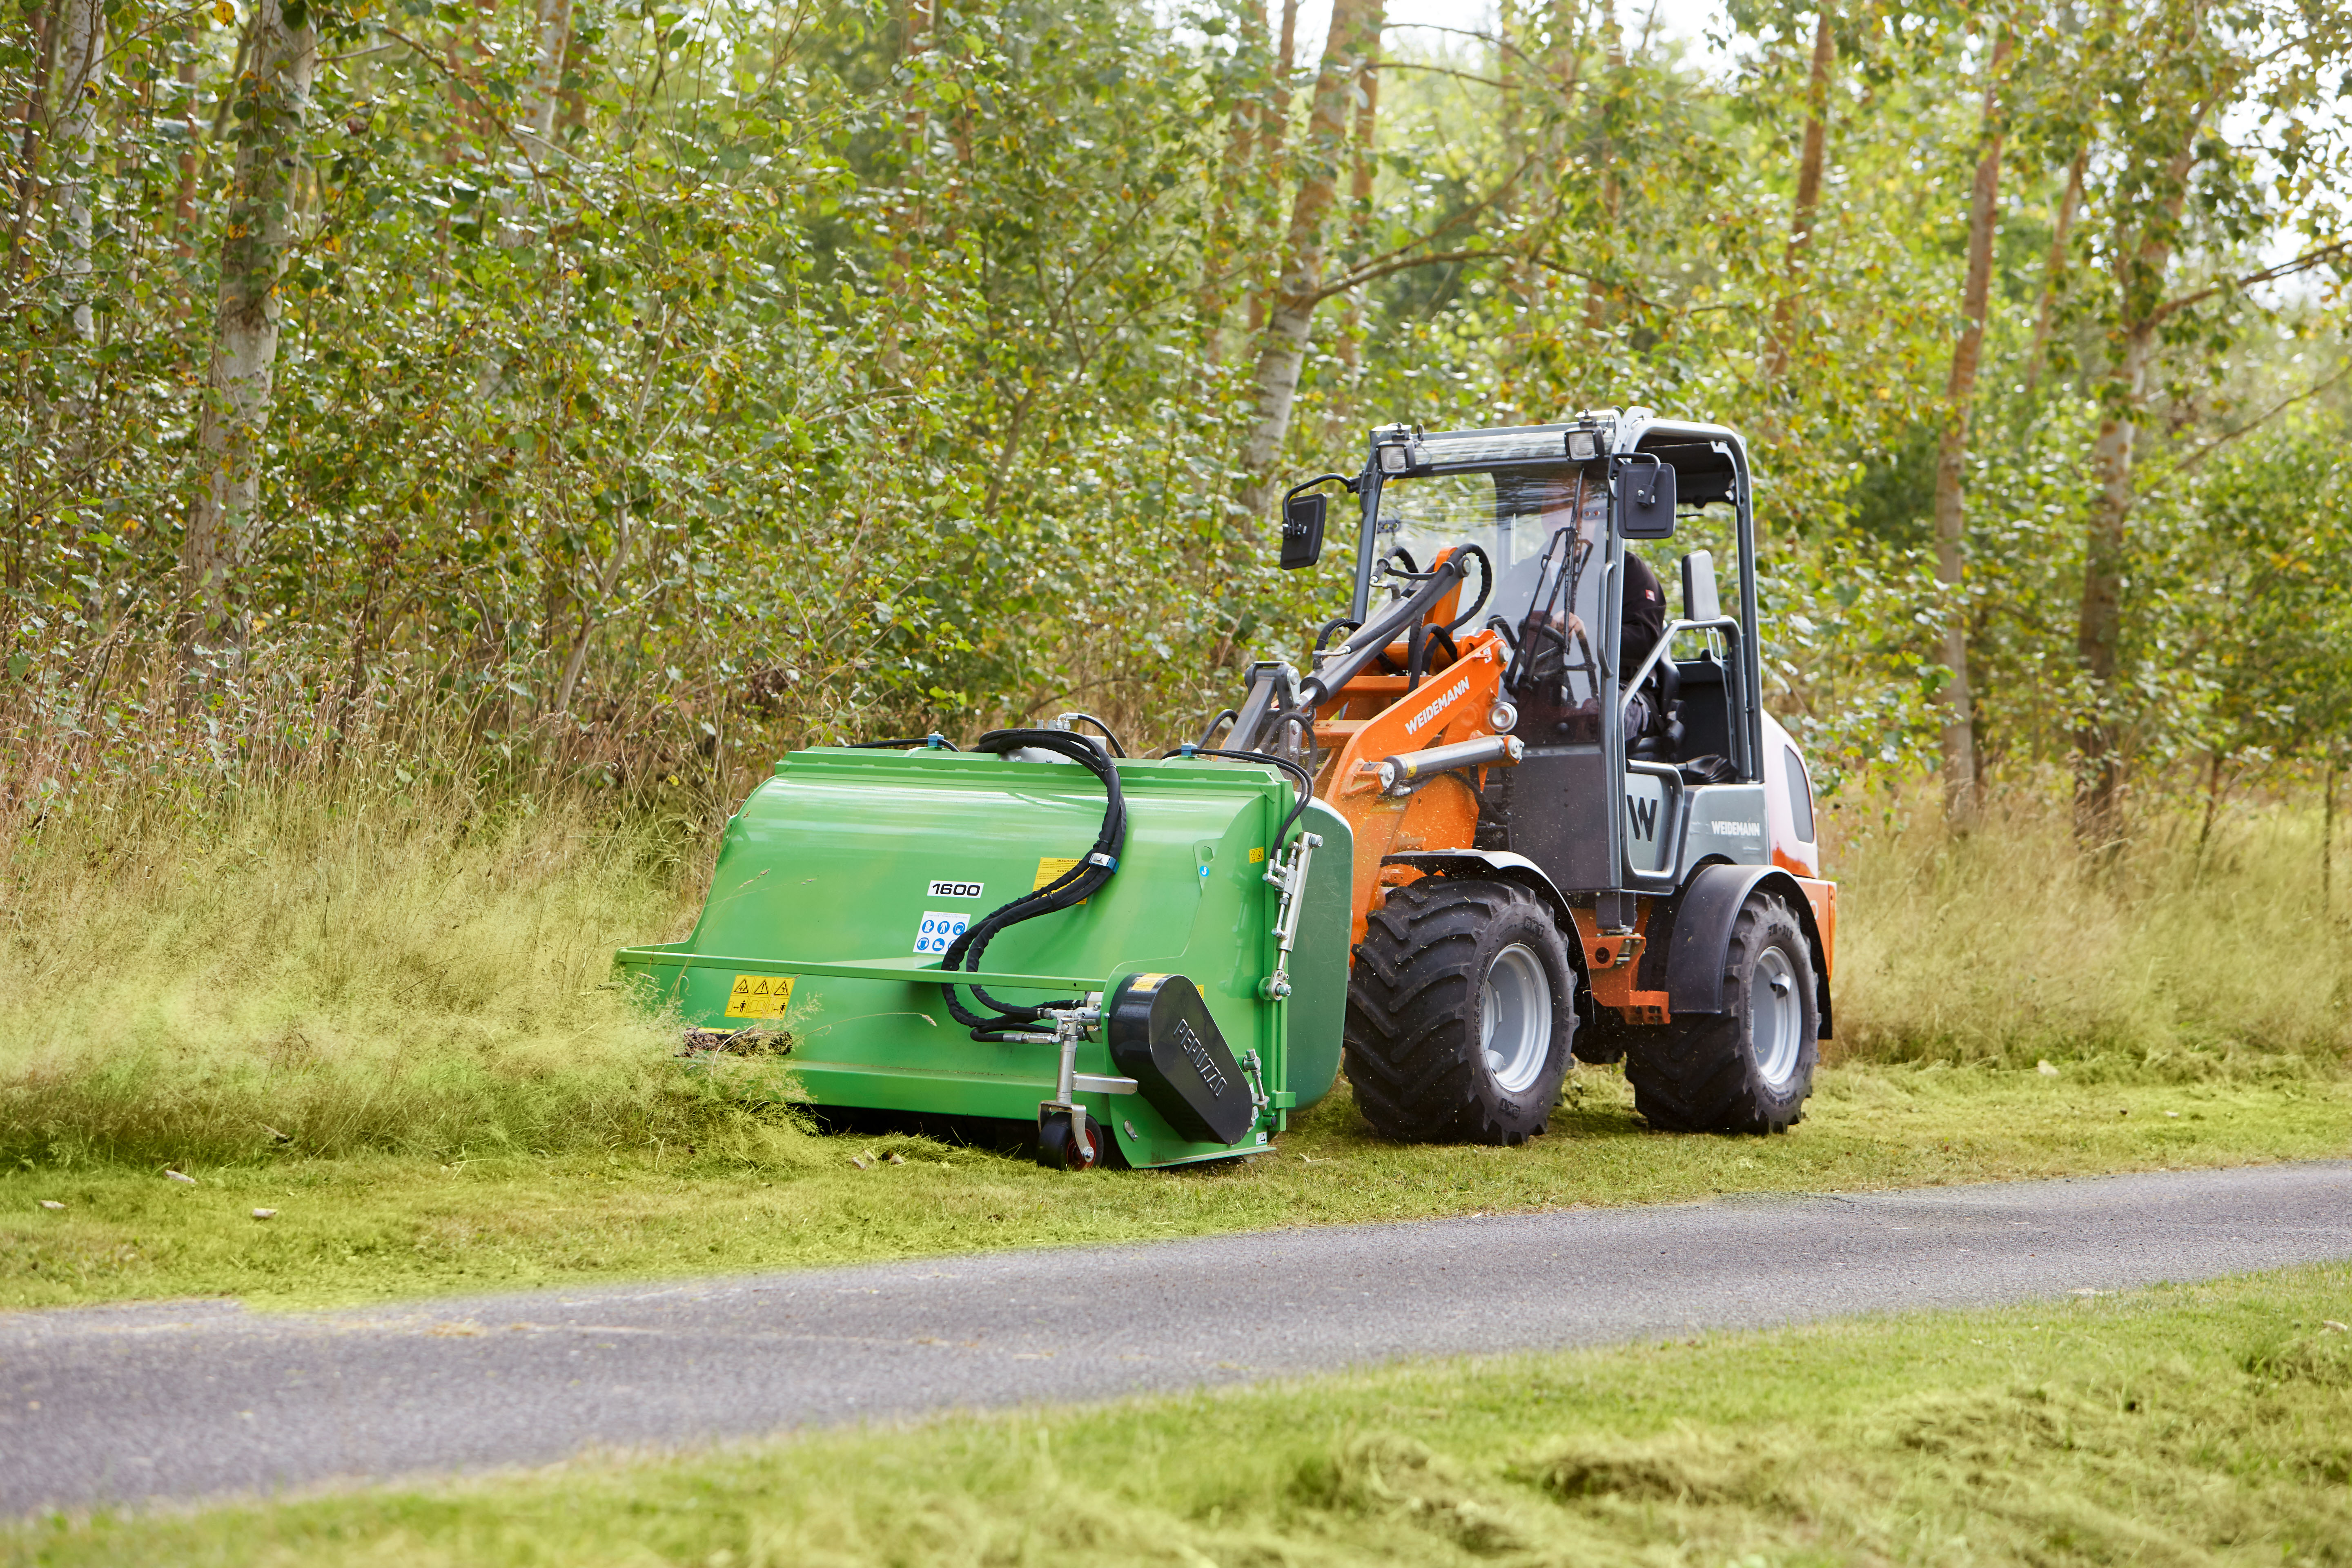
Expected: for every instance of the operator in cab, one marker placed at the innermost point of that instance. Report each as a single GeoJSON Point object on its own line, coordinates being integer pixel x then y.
{"type": "Point", "coordinates": [1641, 606]}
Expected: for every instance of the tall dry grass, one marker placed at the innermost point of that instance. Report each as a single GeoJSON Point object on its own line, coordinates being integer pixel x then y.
{"type": "Point", "coordinates": [413, 975]}
{"type": "Point", "coordinates": [284, 912]}
{"type": "Point", "coordinates": [2191, 954]}
{"type": "Point", "coordinates": [287, 918]}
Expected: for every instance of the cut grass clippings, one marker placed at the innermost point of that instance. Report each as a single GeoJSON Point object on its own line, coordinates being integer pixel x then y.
{"type": "Point", "coordinates": [2201, 1423]}
{"type": "Point", "coordinates": [365, 1227]}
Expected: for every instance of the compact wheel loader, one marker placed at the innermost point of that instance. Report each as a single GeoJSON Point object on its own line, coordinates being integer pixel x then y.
{"type": "Point", "coordinates": [1512, 812]}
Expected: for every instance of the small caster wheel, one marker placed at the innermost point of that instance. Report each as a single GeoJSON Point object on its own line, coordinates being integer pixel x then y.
{"type": "Point", "coordinates": [1061, 1148]}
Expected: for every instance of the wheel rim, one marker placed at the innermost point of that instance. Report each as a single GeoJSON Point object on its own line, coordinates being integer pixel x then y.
{"type": "Point", "coordinates": [1777, 1017]}
{"type": "Point", "coordinates": [1515, 1019]}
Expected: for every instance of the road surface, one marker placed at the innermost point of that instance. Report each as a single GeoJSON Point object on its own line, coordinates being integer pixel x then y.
{"type": "Point", "coordinates": [122, 1405]}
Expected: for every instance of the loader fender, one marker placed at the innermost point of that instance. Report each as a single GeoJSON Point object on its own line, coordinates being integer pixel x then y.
{"type": "Point", "coordinates": [1703, 916]}
{"type": "Point", "coordinates": [1498, 866]}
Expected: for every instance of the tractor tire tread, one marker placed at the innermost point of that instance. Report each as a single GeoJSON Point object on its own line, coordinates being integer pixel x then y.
{"type": "Point", "coordinates": [1408, 1002]}
{"type": "Point", "coordinates": [1700, 1076]}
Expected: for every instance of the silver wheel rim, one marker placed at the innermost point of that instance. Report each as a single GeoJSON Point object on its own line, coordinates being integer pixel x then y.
{"type": "Point", "coordinates": [1777, 1017]}
{"type": "Point", "coordinates": [1515, 1019]}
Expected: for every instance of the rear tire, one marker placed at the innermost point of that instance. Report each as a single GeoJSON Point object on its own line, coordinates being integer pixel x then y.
{"type": "Point", "coordinates": [1461, 1014]}
{"type": "Point", "coordinates": [1749, 1069]}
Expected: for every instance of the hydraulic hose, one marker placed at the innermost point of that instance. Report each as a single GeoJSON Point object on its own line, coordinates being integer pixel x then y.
{"type": "Point", "coordinates": [1073, 886]}
{"type": "Point", "coordinates": [1214, 724]}
{"type": "Point", "coordinates": [1115, 749]}
{"type": "Point", "coordinates": [1306, 782]}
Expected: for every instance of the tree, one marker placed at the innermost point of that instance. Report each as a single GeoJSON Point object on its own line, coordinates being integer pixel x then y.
{"type": "Point", "coordinates": [2170, 74]}
{"type": "Point", "coordinates": [1958, 738]}
{"type": "Point", "coordinates": [257, 228]}
{"type": "Point", "coordinates": [1354, 41]}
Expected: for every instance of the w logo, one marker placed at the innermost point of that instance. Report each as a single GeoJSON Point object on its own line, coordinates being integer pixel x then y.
{"type": "Point", "coordinates": [1644, 816]}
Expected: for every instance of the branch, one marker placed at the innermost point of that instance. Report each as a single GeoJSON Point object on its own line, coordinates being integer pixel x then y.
{"type": "Point", "coordinates": [1498, 42]}
{"type": "Point", "coordinates": [2202, 453]}
{"type": "Point", "coordinates": [2304, 263]}
{"type": "Point", "coordinates": [1444, 71]}
{"type": "Point", "coordinates": [1363, 275]}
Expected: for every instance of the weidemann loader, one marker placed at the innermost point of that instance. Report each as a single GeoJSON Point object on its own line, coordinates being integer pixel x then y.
{"type": "Point", "coordinates": [1510, 812]}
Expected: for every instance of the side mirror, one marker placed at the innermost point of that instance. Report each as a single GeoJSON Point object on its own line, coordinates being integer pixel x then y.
{"type": "Point", "coordinates": [1302, 531]}
{"type": "Point", "coordinates": [1700, 600]}
{"type": "Point", "coordinates": [1646, 489]}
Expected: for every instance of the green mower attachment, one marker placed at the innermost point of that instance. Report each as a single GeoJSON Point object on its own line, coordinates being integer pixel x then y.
{"type": "Point", "coordinates": [1161, 995]}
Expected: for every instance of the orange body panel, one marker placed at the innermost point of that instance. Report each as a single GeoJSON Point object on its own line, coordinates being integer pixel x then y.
{"type": "Point", "coordinates": [1373, 717]}
{"type": "Point", "coordinates": [1822, 896]}
{"type": "Point", "coordinates": [1611, 962]}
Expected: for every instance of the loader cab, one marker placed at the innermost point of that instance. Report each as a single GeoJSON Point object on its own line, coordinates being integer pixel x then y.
{"type": "Point", "coordinates": [1607, 808]}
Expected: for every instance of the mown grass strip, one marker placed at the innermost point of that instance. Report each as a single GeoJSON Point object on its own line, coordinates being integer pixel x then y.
{"type": "Point", "coordinates": [370, 1227]}
{"type": "Point", "coordinates": [2183, 1425]}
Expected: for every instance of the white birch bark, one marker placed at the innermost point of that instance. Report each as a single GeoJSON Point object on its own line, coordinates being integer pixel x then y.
{"type": "Point", "coordinates": [81, 62]}
{"type": "Point", "coordinates": [257, 229]}
{"type": "Point", "coordinates": [1354, 41]}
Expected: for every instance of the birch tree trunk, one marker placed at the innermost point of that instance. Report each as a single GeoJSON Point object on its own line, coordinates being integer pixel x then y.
{"type": "Point", "coordinates": [2142, 254]}
{"type": "Point", "coordinates": [256, 227]}
{"type": "Point", "coordinates": [1808, 198]}
{"type": "Point", "coordinates": [1959, 749]}
{"type": "Point", "coordinates": [546, 89]}
{"type": "Point", "coordinates": [1613, 77]}
{"type": "Point", "coordinates": [1360, 228]}
{"type": "Point", "coordinates": [1354, 40]}
{"type": "Point", "coordinates": [81, 61]}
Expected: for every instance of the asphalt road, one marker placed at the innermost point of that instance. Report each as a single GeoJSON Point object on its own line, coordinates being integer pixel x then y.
{"type": "Point", "coordinates": [121, 1405]}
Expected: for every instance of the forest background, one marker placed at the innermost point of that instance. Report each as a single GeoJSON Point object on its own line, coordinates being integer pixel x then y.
{"type": "Point", "coordinates": [425, 417]}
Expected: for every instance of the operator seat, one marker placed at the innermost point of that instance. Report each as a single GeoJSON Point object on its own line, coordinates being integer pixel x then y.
{"type": "Point", "coordinates": [1661, 740]}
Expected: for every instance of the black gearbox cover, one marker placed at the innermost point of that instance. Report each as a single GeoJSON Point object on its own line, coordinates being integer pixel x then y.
{"type": "Point", "coordinates": [1161, 1035]}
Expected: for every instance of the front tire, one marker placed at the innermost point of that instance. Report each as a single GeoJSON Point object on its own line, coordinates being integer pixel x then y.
{"type": "Point", "coordinates": [1750, 1068]}
{"type": "Point", "coordinates": [1461, 1014]}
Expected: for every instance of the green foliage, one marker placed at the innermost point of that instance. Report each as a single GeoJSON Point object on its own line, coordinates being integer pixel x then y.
{"type": "Point", "coordinates": [811, 376]}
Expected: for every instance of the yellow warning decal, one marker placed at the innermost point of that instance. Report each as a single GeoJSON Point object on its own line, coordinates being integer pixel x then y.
{"type": "Point", "coordinates": [1257, 854]}
{"type": "Point", "coordinates": [1048, 867]}
{"type": "Point", "coordinates": [760, 996]}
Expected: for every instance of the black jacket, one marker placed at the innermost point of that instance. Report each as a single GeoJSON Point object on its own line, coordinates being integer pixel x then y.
{"type": "Point", "coordinates": [1644, 609]}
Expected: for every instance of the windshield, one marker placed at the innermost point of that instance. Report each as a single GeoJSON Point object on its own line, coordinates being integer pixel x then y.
{"type": "Point", "coordinates": [1511, 515]}
{"type": "Point", "coordinates": [1545, 529]}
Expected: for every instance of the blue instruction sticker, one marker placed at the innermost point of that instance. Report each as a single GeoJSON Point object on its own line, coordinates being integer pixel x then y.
{"type": "Point", "coordinates": [938, 931]}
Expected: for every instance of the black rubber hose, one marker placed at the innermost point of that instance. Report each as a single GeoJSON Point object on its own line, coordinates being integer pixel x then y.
{"type": "Point", "coordinates": [1486, 586]}
{"type": "Point", "coordinates": [1073, 886]}
{"type": "Point", "coordinates": [1323, 636]}
{"type": "Point", "coordinates": [1417, 654]}
{"type": "Point", "coordinates": [1115, 749]}
{"type": "Point", "coordinates": [1228, 716]}
{"type": "Point", "coordinates": [1306, 784]}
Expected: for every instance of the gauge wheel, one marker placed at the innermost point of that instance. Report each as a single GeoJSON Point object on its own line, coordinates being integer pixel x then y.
{"type": "Point", "coordinates": [1461, 1014]}
{"type": "Point", "coordinates": [1060, 1149]}
{"type": "Point", "coordinates": [1748, 1068]}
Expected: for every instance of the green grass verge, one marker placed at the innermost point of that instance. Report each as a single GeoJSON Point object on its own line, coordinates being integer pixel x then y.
{"type": "Point", "coordinates": [380, 1226]}
{"type": "Point", "coordinates": [2207, 1423]}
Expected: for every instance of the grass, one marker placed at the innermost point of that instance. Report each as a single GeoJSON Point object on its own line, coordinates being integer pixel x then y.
{"type": "Point", "coordinates": [2186, 1425]}
{"type": "Point", "coordinates": [382, 1225]}
{"type": "Point", "coordinates": [383, 1015]}
{"type": "Point", "coordinates": [2009, 946]}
